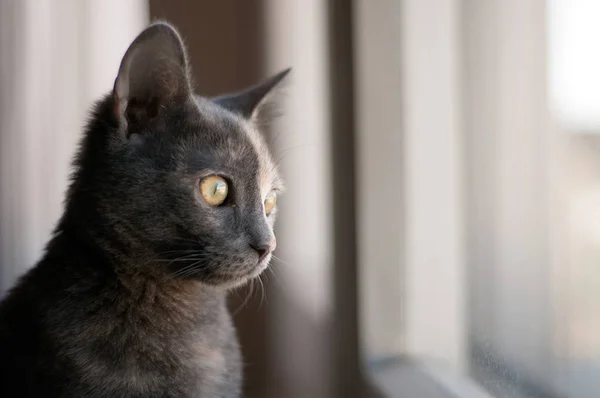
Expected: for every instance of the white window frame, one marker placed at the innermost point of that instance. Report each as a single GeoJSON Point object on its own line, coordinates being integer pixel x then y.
{"type": "Point", "coordinates": [403, 153]}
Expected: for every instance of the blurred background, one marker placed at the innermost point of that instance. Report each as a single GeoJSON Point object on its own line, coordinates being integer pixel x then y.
{"type": "Point", "coordinates": [442, 158]}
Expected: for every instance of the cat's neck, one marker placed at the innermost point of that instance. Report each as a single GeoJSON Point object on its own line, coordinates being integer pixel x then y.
{"type": "Point", "coordinates": [103, 244]}
{"type": "Point", "coordinates": [86, 221]}
{"type": "Point", "coordinates": [85, 267]}
{"type": "Point", "coordinates": [120, 258]}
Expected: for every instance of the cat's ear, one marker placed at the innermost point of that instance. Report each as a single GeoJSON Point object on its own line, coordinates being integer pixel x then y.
{"type": "Point", "coordinates": [153, 74]}
{"type": "Point", "coordinates": [250, 102]}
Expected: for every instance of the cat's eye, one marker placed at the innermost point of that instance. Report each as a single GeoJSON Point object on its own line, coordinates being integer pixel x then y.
{"type": "Point", "coordinates": [270, 202]}
{"type": "Point", "coordinates": [214, 190]}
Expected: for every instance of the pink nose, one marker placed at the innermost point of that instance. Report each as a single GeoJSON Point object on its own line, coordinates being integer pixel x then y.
{"type": "Point", "coordinates": [263, 249]}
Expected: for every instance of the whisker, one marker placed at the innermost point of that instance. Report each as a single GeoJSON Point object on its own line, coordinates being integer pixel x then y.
{"type": "Point", "coordinates": [277, 278]}
{"type": "Point", "coordinates": [280, 260]}
{"type": "Point", "coordinates": [187, 270]}
{"type": "Point", "coordinates": [190, 271]}
{"type": "Point", "coordinates": [185, 240]}
{"type": "Point", "coordinates": [179, 251]}
{"type": "Point", "coordinates": [262, 291]}
{"type": "Point", "coordinates": [285, 152]}
{"type": "Point", "coordinates": [246, 299]}
{"type": "Point", "coordinates": [191, 257]}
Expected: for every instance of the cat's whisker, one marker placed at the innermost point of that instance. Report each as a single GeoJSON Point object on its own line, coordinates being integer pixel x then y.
{"type": "Point", "coordinates": [262, 291]}
{"type": "Point", "coordinates": [185, 239]}
{"type": "Point", "coordinates": [266, 276]}
{"type": "Point", "coordinates": [289, 150]}
{"type": "Point", "coordinates": [186, 270]}
{"type": "Point", "coordinates": [190, 271]}
{"type": "Point", "coordinates": [179, 251]}
{"type": "Point", "coordinates": [191, 257]}
{"type": "Point", "coordinates": [265, 287]}
{"type": "Point", "coordinates": [249, 295]}
{"type": "Point", "coordinates": [183, 257]}
{"type": "Point", "coordinates": [277, 278]}
{"type": "Point", "coordinates": [279, 260]}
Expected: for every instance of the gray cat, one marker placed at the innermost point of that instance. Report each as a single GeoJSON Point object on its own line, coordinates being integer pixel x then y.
{"type": "Point", "coordinates": [172, 202]}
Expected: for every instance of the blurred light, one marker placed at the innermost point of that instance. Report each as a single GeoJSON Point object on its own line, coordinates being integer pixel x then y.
{"type": "Point", "coordinates": [574, 63]}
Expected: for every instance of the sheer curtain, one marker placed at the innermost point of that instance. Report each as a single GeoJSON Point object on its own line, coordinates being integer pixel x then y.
{"type": "Point", "coordinates": [56, 58]}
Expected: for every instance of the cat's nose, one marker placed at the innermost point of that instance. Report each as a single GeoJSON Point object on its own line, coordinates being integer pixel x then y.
{"type": "Point", "coordinates": [264, 248]}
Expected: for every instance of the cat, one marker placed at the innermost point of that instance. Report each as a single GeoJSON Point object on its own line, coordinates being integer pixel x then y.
{"type": "Point", "coordinates": [171, 204]}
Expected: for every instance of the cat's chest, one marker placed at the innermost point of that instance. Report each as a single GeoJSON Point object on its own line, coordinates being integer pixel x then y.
{"type": "Point", "coordinates": [157, 349]}
{"type": "Point", "coordinates": [195, 369]}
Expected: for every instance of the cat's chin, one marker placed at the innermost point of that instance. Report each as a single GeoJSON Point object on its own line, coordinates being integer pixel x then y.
{"type": "Point", "coordinates": [244, 278]}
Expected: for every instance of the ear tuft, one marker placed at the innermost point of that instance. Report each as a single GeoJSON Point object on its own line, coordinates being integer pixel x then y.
{"type": "Point", "coordinates": [250, 102]}
{"type": "Point", "coordinates": [153, 74]}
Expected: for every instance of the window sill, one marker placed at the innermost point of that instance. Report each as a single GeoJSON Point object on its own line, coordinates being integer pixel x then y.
{"type": "Point", "coordinates": [409, 378]}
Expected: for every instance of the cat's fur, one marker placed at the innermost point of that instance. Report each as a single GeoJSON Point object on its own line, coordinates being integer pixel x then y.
{"type": "Point", "coordinates": [129, 297]}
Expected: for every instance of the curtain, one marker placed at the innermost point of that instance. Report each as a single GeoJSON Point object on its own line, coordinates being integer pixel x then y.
{"type": "Point", "coordinates": [56, 58]}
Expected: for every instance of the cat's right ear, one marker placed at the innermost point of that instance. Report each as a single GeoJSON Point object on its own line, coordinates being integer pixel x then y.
{"type": "Point", "coordinates": [153, 75]}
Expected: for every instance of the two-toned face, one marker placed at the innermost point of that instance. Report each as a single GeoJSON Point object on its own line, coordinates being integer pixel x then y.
{"type": "Point", "coordinates": [194, 175]}
{"type": "Point", "coordinates": [226, 188]}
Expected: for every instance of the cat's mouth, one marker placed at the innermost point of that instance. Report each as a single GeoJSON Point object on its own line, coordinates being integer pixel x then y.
{"type": "Point", "coordinates": [221, 273]}
{"type": "Point", "coordinates": [260, 267]}
{"type": "Point", "coordinates": [241, 278]}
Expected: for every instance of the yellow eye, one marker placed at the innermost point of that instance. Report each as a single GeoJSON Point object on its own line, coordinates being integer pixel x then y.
{"type": "Point", "coordinates": [270, 202]}
{"type": "Point", "coordinates": [214, 190]}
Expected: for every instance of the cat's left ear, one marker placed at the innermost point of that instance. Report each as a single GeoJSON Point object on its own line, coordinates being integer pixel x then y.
{"type": "Point", "coordinates": [250, 102]}
{"type": "Point", "coordinates": [153, 74]}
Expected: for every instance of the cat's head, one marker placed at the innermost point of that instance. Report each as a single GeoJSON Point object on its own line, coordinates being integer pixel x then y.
{"type": "Point", "coordinates": [187, 177]}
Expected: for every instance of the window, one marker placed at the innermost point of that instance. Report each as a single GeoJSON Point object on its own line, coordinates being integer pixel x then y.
{"type": "Point", "coordinates": [479, 193]}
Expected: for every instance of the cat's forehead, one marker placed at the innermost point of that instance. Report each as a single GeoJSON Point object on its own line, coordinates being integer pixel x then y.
{"type": "Point", "coordinates": [220, 136]}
